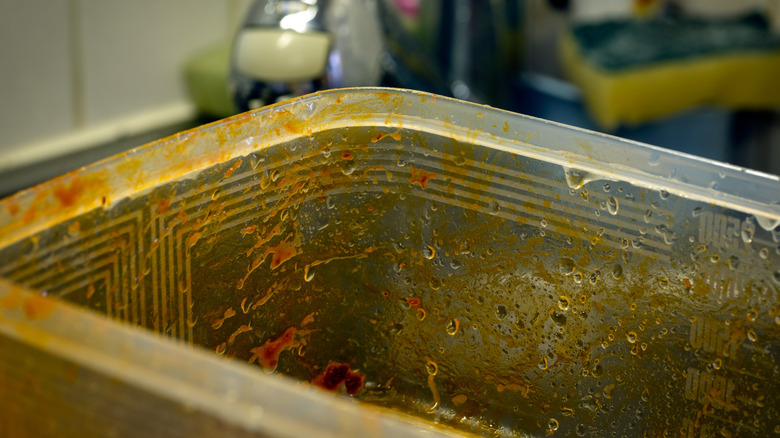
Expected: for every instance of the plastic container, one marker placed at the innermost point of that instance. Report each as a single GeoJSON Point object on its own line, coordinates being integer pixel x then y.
{"type": "Point", "coordinates": [459, 269]}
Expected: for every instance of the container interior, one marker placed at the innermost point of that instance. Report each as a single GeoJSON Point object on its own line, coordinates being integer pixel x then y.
{"type": "Point", "coordinates": [440, 262]}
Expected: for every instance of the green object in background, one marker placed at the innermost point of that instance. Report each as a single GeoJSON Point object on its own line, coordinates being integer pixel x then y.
{"type": "Point", "coordinates": [206, 74]}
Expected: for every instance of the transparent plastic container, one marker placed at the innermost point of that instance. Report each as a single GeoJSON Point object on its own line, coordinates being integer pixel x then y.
{"type": "Point", "coordinates": [375, 262]}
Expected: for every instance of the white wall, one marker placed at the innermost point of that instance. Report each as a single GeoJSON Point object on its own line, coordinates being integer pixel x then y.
{"type": "Point", "coordinates": [74, 73]}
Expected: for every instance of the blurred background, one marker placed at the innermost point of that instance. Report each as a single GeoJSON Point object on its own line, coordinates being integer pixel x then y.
{"type": "Point", "coordinates": [82, 80]}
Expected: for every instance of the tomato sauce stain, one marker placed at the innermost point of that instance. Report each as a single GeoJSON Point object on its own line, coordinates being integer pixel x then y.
{"type": "Point", "coordinates": [38, 307]}
{"type": "Point", "coordinates": [268, 354]}
{"type": "Point", "coordinates": [163, 205]}
{"type": "Point", "coordinates": [347, 156]}
{"type": "Point", "coordinates": [233, 168]}
{"type": "Point", "coordinates": [335, 375]}
{"type": "Point", "coordinates": [421, 177]}
{"type": "Point", "coordinates": [413, 301]}
{"type": "Point", "coordinates": [90, 290]}
{"type": "Point", "coordinates": [68, 195]}
{"type": "Point", "coordinates": [281, 253]}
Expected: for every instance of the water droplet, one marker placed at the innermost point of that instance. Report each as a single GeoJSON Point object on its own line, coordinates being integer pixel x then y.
{"type": "Point", "coordinates": [552, 425]}
{"type": "Point", "coordinates": [326, 153]}
{"type": "Point", "coordinates": [494, 207]}
{"type": "Point", "coordinates": [501, 311]}
{"type": "Point", "coordinates": [400, 163]}
{"type": "Point", "coordinates": [631, 336]}
{"type": "Point", "coordinates": [558, 318]}
{"type": "Point", "coordinates": [606, 187]}
{"type": "Point", "coordinates": [429, 252]}
{"type": "Point", "coordinates": [617, 272]}
{"type": "Point", "coordinates": [733, 262]}
{"type": "Point", "coordinates": [563, 303]}
{"type": "Point", "coordinates": [663, 194]}
{"type": "Point", "coordinates": [275, 175]}
{"type": "Point", "coordinates": [752, 315]}
{"type": "Point", "coordinates": [643, 346]}
{"type": "Point", "coordinates": [454, 264]}
{"type": "Point", "coordinates": [717, 363]}
{"type": "Point", "coordinates": [776, 276]}
{"type": "Point", "coordinates": [543, 223]}
{"type": "Point", "coordinates": [431, 368]}
{"type": "Point", "coordinates": [663, 283]}
{"type": "Point", "coordinates": [215, 195]}
{"type": "Point", "coordinates": [308, 273]}
{"type": "Point", "coordinates": [751, 334]}
{"type": "Point", "coordinates": [576, 178]}
{"type": "Point", "coordinates": [452, 327]}
{"type": "Point", "coordinates": [421, 314]}
{"type": "Point", "coordinates": [747, 233]}
{"type": "Point", "coordinates": [577, 277]}
{"type": "Point", "coordinates": [435, 283]}
{"type": "Point", "coordinates": [580, 430]}
{"type": "Point", "coordinates": [714, 258]}
{"type": "Point", "coordinates": [767, 223]}
{"type": "Point", "coordinates": [764, 253]}
{"type": "Point", "coordinates": [696, 212]}
{"type": "Point", "coordinates": [543, 364]}
{"type": "Point", "coordinates": [597, 371]}
{"type": "Point", "coordinates": [612, 205]}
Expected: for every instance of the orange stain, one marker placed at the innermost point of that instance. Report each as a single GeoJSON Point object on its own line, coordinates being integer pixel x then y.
{"type": "Point", "coordinates": [163, 205]}
{"type": "Point", "coordinates": [67, 195]}
{"type": "Point", "coordinates": [378, 137]}
{"type": "Point", "coordinates": [292, 127]}
{"type": "Point", "coordinates": [243, 329]}
{"type": "Point", "coordinates": [249, 229]}
{"type": "Point", "coordinates": [347, 156]}
{"type": "Point", "coordinates": [13, 208]}
{"type": "Point", "coordinates": [11, 301]}
{"type": "Point", "coordinates": [268, 354]}
{"type": "Point", "coordinates": [281, 253]}
{"type": "Point", "coordinates": [90, 290]}
{"type": "Point", "coordinates": [38, 307]}
{"type": "Point", "coordinates": [233, 168]}
{"type": "Point", "coordinates": [194, 239]}
{"type": "Point", "coordinates": [421, 177]}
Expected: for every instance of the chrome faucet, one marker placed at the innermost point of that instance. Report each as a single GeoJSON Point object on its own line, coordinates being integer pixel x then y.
{"type": "Point", "coordinates": [469, 49]}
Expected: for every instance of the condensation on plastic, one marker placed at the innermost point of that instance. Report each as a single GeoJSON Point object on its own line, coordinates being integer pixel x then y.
{"type": "Point", "coordinates": [434, 260]}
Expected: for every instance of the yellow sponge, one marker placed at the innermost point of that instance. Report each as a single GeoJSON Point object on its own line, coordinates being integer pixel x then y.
{"type": "Point", "coordinates": [660, 77]}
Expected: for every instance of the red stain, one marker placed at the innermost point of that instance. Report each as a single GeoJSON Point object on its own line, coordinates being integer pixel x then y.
{"type": "Point", "coordinates": [421, 177]}
{"type": "Point", "coordinates": [163, 205]}
{"type": "Point", "coordinates": [378, 137]}
{"type": "Point", "coordinates": [268, 354]}
{"type": "Point", "coordinates": [385, 293]}
{"type": "Point", "coordinates": [282, 252]}
{"type": "Point", "coordinates": [413, 301]}
{"type": "Point", "coordinates": [233, 168]}
{"type": "Point", "coordinates": [347, 156]}
{"type": "Point", "coordinates": [335, 375]}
